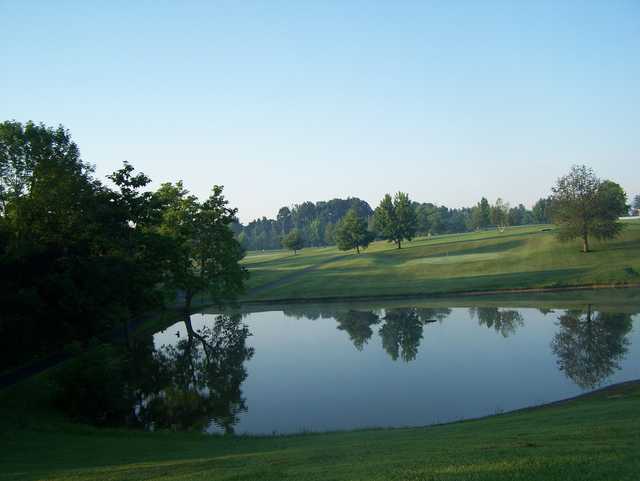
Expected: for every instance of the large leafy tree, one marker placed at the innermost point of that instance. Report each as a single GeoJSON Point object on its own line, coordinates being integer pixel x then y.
{"type": "Point", "coordinates": [206, 254]}
{"type": "Point", "coordinates": [73, 250]}
{"type": "Point", "coordinates": [351, 232]}
{"type": "Point", "coordinates": [395, 219]}
{"type": "Point", "coordinates": [47, 194]}
{"type": "Point", "coordinates": [585, 206]}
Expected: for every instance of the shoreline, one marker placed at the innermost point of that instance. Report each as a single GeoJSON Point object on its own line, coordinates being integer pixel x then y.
{"type": "Point", "coordinates": [434, 295]}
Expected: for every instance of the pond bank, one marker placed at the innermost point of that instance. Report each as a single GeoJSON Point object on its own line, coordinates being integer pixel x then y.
{"type": "Point", "coordinates": [593, 437]}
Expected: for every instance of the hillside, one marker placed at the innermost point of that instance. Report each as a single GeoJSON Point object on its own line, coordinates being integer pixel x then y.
{"type": "Point", "coordinates": [519, 258]}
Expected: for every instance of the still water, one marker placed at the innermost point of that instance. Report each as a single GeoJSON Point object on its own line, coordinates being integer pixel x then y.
{"type": "Point", "coordinates": [329, 367]}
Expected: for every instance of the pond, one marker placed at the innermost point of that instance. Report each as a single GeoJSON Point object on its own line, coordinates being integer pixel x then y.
{"type": "Point", "coordinates": [299, 368]}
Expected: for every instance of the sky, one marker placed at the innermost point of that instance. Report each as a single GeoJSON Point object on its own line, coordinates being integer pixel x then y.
{"type": "Point", "coordinates": [287, 101]}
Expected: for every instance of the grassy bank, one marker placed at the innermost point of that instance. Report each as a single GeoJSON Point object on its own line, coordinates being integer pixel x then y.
{"type": "Point", "coordinates": [519, 258]}
{"type": "Point", "coordinates": [595, 437]}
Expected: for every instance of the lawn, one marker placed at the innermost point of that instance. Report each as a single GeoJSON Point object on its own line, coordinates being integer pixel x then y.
{"type": "Point", "coordinates": [519, 258]}
{"type": "Point", "coordinates": [596, 437]}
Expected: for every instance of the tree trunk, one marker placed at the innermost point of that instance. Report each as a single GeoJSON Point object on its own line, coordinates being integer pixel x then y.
{"type": "Point", "coordinates": [585, 243]}
{"type": "Point", "coordinates": [358, 249]}
{"type": "Point", "coordinates": [188, 297]}
{"type": "Point", "coordinates": [187, 323]}
{"type": "Point", "coordinates": [399, 244]}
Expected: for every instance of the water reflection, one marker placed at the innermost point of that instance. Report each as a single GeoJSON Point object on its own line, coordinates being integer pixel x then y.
{"type": "Point", "coordinates": [504, 321]}
{"type": "Point", "coordinates": [358, 325]}
{"type": "Point", "coordinates": [194, 382]}
{"type": "Point", "coordinates": [193, 379]}
{"type": "Point", "coordinates": [590, 345]}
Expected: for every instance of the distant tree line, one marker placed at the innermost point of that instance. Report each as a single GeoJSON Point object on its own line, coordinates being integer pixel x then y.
{"type": "Point", "coordinates": [315, 224]}
{"type": "Point", "coordinates": [318, 224]}
{"type": "Point", "coordinates": [582, 206]}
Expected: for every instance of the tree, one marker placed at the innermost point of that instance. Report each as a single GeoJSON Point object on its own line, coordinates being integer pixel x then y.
{"type": "Point", "coordinates": [351, 232]}
{"type": "Point", "coordinates": [285, 220]}
{"type": "Point", "coordinates": [585, 206]}
{"type": "Point", "coordinates": [481, 215]}
{"type": "Point", "coordinates": [636, 204]}
{"type": "Point", "coordinates": [315, 233]}
{"type": "Point", "coordinates": [76, 252]}
{"type": "Point", "coordinates": [329, 234]}
{"type": "Point", "coordinates": [542, 211]}
{"type": "Point", "coordinates": [293, 241]}
{"type": "Point", "coordinates": [395, 220]}
{"type": "Point", "coordinates": [206, 254]}
{"type": "Point", "coordinates": [500, 213]}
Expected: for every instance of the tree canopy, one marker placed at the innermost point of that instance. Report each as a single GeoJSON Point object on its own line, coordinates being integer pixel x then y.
{"type": "Point", "coordinates": [351, 232]}
{"type": "Point", "coordinates": [395, 219]}
{"type": "Point", "coordinates": [585, 206]}
{"type": "Point", "coordinates": [293, 241]}
{"type": "Point", "coordinates": [87, 257]}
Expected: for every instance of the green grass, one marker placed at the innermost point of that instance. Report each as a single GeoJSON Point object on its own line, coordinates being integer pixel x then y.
{"type": "Point", "coordinates": [596, 437]}
{"type": "Point", "coordinates": [519, 258]}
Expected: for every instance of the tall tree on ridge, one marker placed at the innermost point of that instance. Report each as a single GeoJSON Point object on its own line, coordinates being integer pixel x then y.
{"type": "Point", "coordinates": [395, 219]}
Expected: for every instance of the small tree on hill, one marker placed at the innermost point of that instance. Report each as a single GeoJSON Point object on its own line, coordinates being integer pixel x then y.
{"type": "Point", "coordinates": [481, 215]}
{"type": "Point", "coordinates": [500, 214]}
{"type": "Point", "coordinates": [396, 219]}
{"type": "Point", "coordinates": [351, 232]}
{"type": "Point", "coordinates": [293, 241]}
{"type": "Point", "coordinates": [585, 206]}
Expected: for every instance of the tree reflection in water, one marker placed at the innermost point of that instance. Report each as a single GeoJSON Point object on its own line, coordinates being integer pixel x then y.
{"type": "Point", "coordinates": [403, 328]}
{"type": "Point", "coordinates": [590, 345]}
{"type": "Point", "coordinates": [197, 381]}
{"type": "Point", "coordinates": [504, 321]}
{"type": "Point", "coordinates": [358, 325]}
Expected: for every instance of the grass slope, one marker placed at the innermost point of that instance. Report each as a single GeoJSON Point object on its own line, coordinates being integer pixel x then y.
{"type": "Point", "coordinates": [521, 257]}
{"type": "Point", "coordinates": [596, 437]}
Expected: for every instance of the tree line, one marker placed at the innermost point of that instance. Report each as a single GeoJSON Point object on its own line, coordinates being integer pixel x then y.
{"type": "Point", "coordinates": [79, 259]}
{"type": "Point", "coordinates": [581, 205]}
{"type": "Point", "coordinates": [318, 224]}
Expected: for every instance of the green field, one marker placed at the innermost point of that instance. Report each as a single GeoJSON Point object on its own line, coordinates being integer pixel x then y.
{"type": "Point", "coordinates": [519, 258]}
{"type": "Point", "coordinates": [596, 437]}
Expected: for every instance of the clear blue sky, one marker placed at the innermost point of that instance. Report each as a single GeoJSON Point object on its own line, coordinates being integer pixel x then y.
{"type": "Point", "coordinates": [283, 102]}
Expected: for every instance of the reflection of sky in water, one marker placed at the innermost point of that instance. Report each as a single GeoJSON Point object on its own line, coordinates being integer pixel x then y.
{"type": "Point", "coordinates": [308, 375]}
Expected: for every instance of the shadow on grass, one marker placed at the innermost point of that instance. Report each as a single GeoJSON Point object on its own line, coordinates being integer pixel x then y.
{"type": "Point", "coordinates": [342, 283]}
